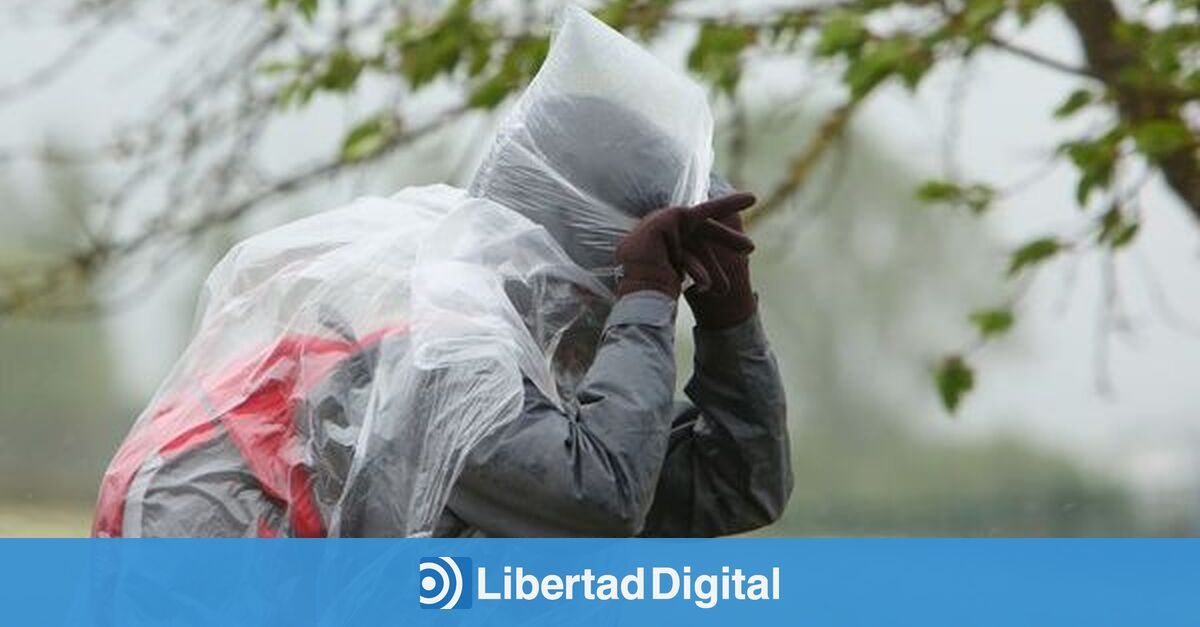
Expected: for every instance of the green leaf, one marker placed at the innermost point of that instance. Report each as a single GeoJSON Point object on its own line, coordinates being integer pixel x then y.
{"type": "Point", "coordinates": [954, 379]}
{"type": "Point", "coordinates": [1116, 230]}
{"type": "Point", "coordinates": [367, 138]}
{"type": "Point", "coordinates": [976, 197]}
{"type": "Point", "coordinates": [308, 8]}
{"type": "Point", "coordinates": [1096, 161]}
{"type": "Point", "coordinates": [456, 39]}
{"type": "Point", "coordinates": [1078, 99]}
{"type": "Point", "coordinates": [1027, 9]}
{"type": "Point", "coordinates": [879, 59]}
{"type": "Point", "coordinates": [1160, 138]}
{"type": "Point", "coordinates": [789, 27]}
{"type": "Point", "coordinates": [1123, 236]}
{"type": "Point", "coordinates": [273, 68]}
{"type": "Point", "coordinates": [1033, 253]}
{"type": "Point", "coordinates": [992, 322]}
{"type": "Point", "coordinates": [613, 13]}
{"type": "Point", "coordinates": [641, 17]}
{"type": "Point", "coordinates": [296, 92]}
{"type": "Point", "coordinates": [864, 75]}
{"type": "Point", "coordinates": [980, 14]}
{"type": "Point", "coordinates": [938, 191]}
{"type": "Point", "coordinates": [871, 68]}
{"type": "Point", "coordinates": [1088, 181]}
{"type": "Point", "coordinates": [717, 54]}
{"type": "Point", "coordinates": [341, 71]}
{"type": "Point", "coordinates": [914, 64]}
{"type": "Point", "coordinates": [843, 32]}
{"type": "Point", "coordinates": [490, 93]}
{"type": "Point", "coordinates": [517, 67]}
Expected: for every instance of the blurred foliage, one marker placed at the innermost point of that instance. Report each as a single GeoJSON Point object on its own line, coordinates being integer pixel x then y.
{"type": "Point", "coordinates": [852, 301]}
{"type": "Point", "coordinates": [1140, 77]}
{"type": "Point", "coordinates": [954, 380]}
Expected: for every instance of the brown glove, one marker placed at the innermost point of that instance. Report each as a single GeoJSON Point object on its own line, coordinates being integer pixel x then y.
{"type": "Point", "coordinates": [669, 242]}
{"type": "Point", "coordinates": [722, 309]}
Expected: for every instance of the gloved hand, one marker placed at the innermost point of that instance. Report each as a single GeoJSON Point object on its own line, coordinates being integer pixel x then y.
{"type": "Point", "coordinates": [724, 308]}
{"type": "Point", "coordinates": [669, 242]}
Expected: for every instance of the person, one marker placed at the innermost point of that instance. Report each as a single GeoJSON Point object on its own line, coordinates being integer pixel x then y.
{"type": "Point", "coordinates": [631, 460]}
{"type": "Point", "coordinates": [615, 454]}
{"type": "Point", "coordinates": [627, 458]}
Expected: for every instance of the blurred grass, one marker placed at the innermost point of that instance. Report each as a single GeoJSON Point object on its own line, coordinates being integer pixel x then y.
{"type": "Point", "coordinates": [60, 520]}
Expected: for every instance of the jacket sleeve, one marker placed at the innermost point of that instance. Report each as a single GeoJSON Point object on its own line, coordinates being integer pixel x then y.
{"type": "Point", "coordinates": [728, 465]}
{"type": "Point", "coordinates": [590, 470]}
{"type": "Point", "coordinates": [629, 460]}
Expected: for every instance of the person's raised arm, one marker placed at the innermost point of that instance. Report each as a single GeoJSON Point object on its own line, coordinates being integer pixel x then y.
{"type": "Point", "coordinates": [728, 465]}
{"type": "Point", "coordinates": [593, 470]}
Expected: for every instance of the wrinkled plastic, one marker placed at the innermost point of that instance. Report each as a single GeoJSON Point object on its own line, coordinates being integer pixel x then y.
{"type": "Point", "coordinates": [431, 269]}
{"type": "Point", "coordinates": [343, 366]}
{"type": "Point", "coordinates": [604, 134]}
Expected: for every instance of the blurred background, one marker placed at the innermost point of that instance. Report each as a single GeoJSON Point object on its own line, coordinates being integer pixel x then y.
{"type": "Point", "coordinates": [123, 118]}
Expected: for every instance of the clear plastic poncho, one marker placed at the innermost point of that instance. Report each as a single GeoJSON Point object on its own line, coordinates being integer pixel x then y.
{"type": "Point", "coordinates": [343, 366]}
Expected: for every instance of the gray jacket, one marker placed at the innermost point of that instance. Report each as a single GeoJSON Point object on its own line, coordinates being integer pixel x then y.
{"type": "Point", "coordinates": [630, 460]}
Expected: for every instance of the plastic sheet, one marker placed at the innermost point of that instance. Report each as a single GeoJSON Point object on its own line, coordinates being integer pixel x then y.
{"type": "Point", "coordinates": [605, 134]}
{"type": "Point", "coordinates": [343, 366]}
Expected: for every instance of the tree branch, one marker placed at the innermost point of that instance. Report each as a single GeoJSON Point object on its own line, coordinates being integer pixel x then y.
{"type": "Point", "coordinates": [1041, 59]}
{"type": "Point", "coordinates": [1094, 20]}
{"type": "Point", "coordinates": [65, 60]}
{"type": "Point", "coordinates": [805, 162]}
{"type": "Point", "coordinates": [23, 288]}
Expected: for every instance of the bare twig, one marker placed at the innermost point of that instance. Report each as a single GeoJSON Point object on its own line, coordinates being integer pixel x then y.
{"type": "Point", "coordinates": [1041, 59]}
{"type": "Point", "coordinates": [65, 60]}
{"type": "Point", "coordinates": [1160, 301]}
{"type": "Point", "coordinates": [955, 105]}
{"type": "Point", "coordinates": [1105, 325]}
{"type": "Point", "coordinates": [22, 288]}
{"type": "Point", "coordinates": [739, 132]}
{"type": "Point", "coordinates": [802, 165]}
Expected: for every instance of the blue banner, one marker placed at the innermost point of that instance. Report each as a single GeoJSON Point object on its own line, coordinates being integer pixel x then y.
{"type": "Point", "coordinates": [584, 582]}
